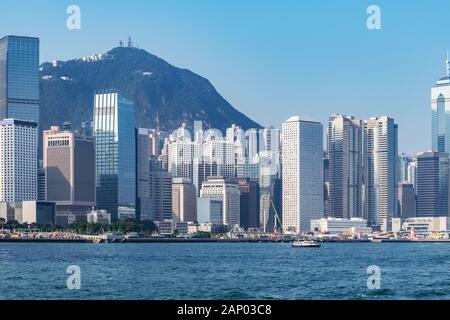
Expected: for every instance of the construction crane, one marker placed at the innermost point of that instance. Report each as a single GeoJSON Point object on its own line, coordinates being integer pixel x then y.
{"type": "Point", "coordinates": [277, 219]}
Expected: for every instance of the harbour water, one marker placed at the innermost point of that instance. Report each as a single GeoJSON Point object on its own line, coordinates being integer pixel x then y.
{"type": "Point", "coordinates": [224, 271]}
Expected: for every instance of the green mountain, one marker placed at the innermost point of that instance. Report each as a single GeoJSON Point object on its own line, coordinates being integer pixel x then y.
{"type": "Point", "coordinates": [156, 87]}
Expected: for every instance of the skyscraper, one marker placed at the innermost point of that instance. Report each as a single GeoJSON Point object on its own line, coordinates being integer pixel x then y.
{"type": "Point", "coordinates": [403, 164]}
{"type": "Point", "coordinates": [184, 200]}
{"type": "Point", "coordinates": [380, 171]}
{"type": "Point", "coordinates": [302, 155]}
{"type": "Point", "coordinates": [432, 184]}
{"type": "Point", "coordinates": [345, 166]}
{"type": "Point", "coordinates": [143, 154]}
{"type": "Point", "coordinates": [69, 164]}
{"type": "Point", "coordinates": [406, 201]}
{"type": "Point", "coordinates": [228, 191]}
{"type": "Point", "coordinates": [160, 193]}
{"type": "Point", "coordinates": [115, 154]}
{"type": "Point", "coordinates": [19, 78]}
{"type": "Point", "coordinates": [248, 203]}
{"type": "Point", "coordinates": [440, 113]}
{"type": "Point", "coordinates": [18, 161]}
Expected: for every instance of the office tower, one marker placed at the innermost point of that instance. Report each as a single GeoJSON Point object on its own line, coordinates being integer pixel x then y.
{"type": "Point", "coordinates": [184, 200]}
{"type": "Point", "coordinates": [69, 164]}
{"type": "Point", "coordinates": [440, 113]}
{"type": "Point", "coordinates": [236, 136]}
{"type": "Point", "coordinates": [345, 166]}
{"type": "Point", "coordinates": [115, 151]}
{"type": "Point", "coordinates": [18, 163]}
{"type": "Point", "coordinates": [198, 131]}
{"type": "Point", "coordinates": [143, 154]}
{"type": "Point", "coordinates": [42, 189]}
{"type": "Point", "coordinates": [87, 128]}
{"type": "Point", "coordinates": [432, 184]}
{"type": "Point", "coordinates": [251, 145]}
{"type": "Point", "coordinates": [269, 140]}
{"type": "Point", "coordinates": [326, 184]}
{"type": "Point", "coordinates": [403, 164]}
{"type": "Point", "coordinates": [380, 171]}
{"type": "Point", "coordinates": [210, 210]}
{"type": "Point", "coordinates": [302, 153]}
{"type": "Point", "coordinates": [228, 191]}
{"type": "Point", "coordinates": [160, 193]}
{"type": "Point", "coordinates": [184, 156]}
{"type": "Point", "coordinates": [218, 156]}
{"type": "Point", "coordinates": [406, 201]}
{"type": "Point", "coordinates": [249, 214]}
{"type": "Point", "coordinates": [19, 78]}
{"type": "Point", "coordinates": [412, 173]}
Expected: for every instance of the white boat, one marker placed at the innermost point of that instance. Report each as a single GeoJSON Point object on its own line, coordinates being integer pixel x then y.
{"type": "Point", "coordinates": [305, 244]}
{"type": "Point", "coordinates": [376, 240]}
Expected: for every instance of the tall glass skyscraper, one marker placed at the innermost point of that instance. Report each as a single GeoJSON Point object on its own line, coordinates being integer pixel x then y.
{"type": "Point", "coordinates": [440, 113]}
{"type": "Point", "coordinates": [19, 78]}
{"type": "Point", "coordinates": [432, 184]}
{"type": "Point", "coordinates": [115, 154]}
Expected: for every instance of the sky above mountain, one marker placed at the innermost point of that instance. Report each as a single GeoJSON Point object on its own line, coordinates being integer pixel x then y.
{"type": "Point", "coordinates": [271, 59]}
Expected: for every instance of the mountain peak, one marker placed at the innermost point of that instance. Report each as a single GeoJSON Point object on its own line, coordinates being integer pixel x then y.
{"type": "Point", "coordinates": [155, 86]}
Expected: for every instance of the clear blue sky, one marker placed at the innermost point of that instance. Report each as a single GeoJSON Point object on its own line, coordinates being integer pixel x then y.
{"type": "Point", "coordinates": [271, 58]}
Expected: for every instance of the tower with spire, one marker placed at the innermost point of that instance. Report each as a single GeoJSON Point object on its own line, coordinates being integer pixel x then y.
{"type": "Point", "coordinates": [440, 112]}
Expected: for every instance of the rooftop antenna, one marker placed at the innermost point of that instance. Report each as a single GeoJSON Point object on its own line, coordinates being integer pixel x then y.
{"type": "Point", "coordinates": [157, 122]}
{"type": "Point", "coordinates": [121, 43]}
{"type": "Point", "coordinates": [447, 62]}
{"type": "Point", "coordinates": [130, 43]}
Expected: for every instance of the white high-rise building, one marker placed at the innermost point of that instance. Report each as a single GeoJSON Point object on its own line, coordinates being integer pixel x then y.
{"type": "Point", "coordinates": [228, 192]}
{"type": "Point", "coordinates": [184, 156]}
{"type": "Point", "coordinates": [302, 152]}
{"type": "Point", "coordinates": [18, 161]}
{"type": "Point", "coordinates": [380, 171]}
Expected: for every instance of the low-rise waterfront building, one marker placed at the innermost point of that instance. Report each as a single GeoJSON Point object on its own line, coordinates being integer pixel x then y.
{"type": "Point", "coordinates": [40, 212]}
{"type": "Point", "coordinates": [338, 225]}
{"type": "Point", "coordinates": [99, 216]}
{"type": "Point", "coordinates": [426, 225]}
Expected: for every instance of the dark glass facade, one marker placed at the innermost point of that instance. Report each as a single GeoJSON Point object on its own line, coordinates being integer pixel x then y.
{"type": "Point", "coordinates": [114, 130]}
{"type": "Point", "coordinates": [19, 78]}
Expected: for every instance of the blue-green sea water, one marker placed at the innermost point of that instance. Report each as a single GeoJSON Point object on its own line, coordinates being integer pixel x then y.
{"type": "Point", "coordinates": [224, 271]}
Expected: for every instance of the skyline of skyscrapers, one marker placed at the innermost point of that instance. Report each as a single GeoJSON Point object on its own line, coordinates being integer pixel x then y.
{"type": "Point", "coordinates": [257, 170]}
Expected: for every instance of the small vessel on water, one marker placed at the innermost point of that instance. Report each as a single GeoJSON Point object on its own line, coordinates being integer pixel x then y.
{"type": "Point", "coordinates": [305, 244]}
{"type": "Point", "coordinates": [375, 240]}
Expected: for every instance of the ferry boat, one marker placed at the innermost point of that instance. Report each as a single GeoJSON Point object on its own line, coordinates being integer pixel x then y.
{"type": "Point", "coordinates": [305, 244]}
